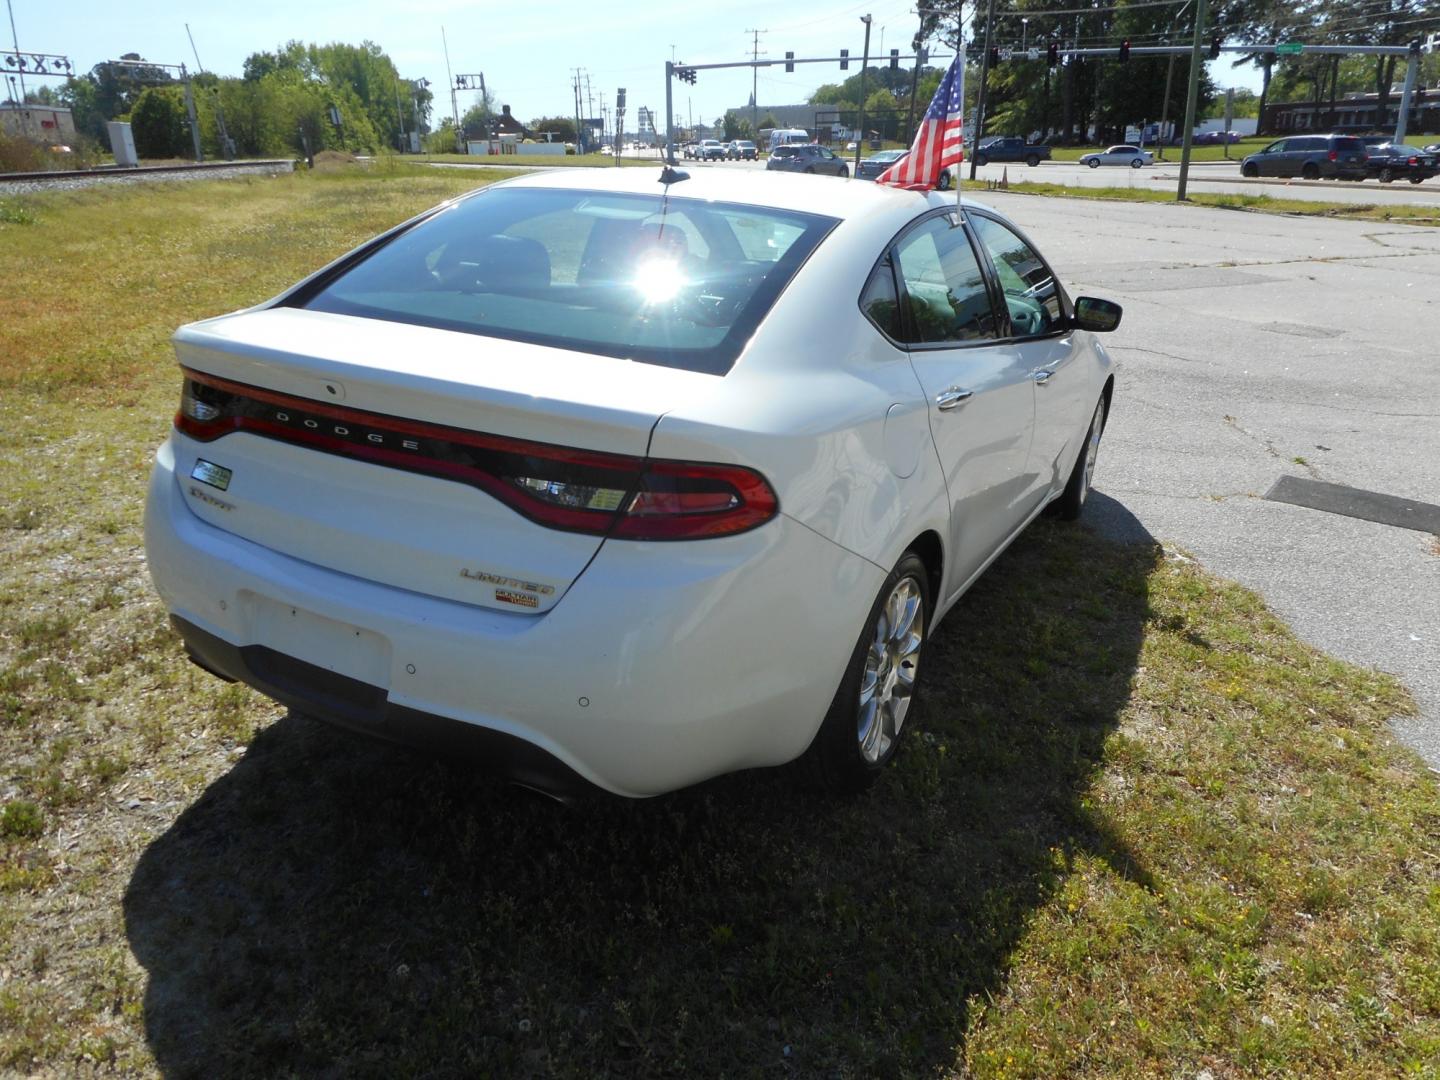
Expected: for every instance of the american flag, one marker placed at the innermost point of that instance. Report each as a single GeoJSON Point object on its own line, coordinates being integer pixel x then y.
{"type": "Point", "coordinates": [940, 141]}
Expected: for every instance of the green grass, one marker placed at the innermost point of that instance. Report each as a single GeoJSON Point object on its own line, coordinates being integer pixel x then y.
{"type": "Point", "coordinates": [1410, 215]}
{"type": "Point", "coordinates": [1140, 831]}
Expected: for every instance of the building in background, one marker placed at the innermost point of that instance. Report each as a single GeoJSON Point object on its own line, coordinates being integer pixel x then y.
{"type": "Point", "coordinates": [42, 123]}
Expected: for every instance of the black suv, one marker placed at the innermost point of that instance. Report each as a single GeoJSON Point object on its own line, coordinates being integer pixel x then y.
{"type": "Point", "coordinates": [807, 158]}
{"type": "Point", "coordinates": [1312, 157]}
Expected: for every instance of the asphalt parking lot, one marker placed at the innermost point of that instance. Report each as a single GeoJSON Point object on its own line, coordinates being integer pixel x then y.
{"type": "Point", "coordinates": [1258, 346]}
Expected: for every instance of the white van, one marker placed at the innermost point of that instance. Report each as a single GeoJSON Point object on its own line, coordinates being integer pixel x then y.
{"type": "Point", "coordinates": [785, 136]}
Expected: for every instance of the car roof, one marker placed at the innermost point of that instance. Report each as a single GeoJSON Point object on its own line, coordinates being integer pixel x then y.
{"type": "Point", "coordinates": [832, 197]}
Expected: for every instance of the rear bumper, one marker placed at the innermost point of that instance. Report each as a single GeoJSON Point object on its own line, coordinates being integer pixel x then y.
{"type": "Point", "coordinates": [365, 709]}
{"type": "Point", "coordinates": [663, 664]}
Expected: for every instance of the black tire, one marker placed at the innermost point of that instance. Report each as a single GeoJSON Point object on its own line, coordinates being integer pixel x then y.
{"type": "Point", "coordinates": [981, 159]}
{"type": "Point", "coordinates": [1137, 163]}
{"type": "Point", "coordinates": [943, 183]}
{"type": "Point", "coordinates": [1387, 175]}
{"type": "Point", "coordinates": [845, 172]}
{"type": "Point", "coordinates": [1311, 171]}
{"type": "Point", "coordinates": [1093, 163]}
{"type": "Point", "coordinates": [1072, 500]}
{"type": "Point", "coordinates": [1416, 179]}
{"type": "Point", "coordinates": [1250, 169]}
{"type": "Point", "coordinates": [835, 761]}
{"type": "Point", "coordinates": [810, 168]}
{"type": "Point", "coordinates": [1033, 160]}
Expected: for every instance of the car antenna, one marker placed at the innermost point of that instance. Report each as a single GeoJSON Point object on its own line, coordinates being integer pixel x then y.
{"type": "Point", "coordinates": [671, 175]}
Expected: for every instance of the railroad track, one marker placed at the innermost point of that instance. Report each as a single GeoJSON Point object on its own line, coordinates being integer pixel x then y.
{"type": "Point", "coordinates": [145, 172]}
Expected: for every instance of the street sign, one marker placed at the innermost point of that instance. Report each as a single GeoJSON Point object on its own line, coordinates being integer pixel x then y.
{"type": "Point", "coordinates": [1432, 44]}
{"type": "Point", "coordinates": [1289, 48]}
{"type": "Point", "coordinates": [1007, 54]}
{"type": "Point", "coordinates": [1032, 53]}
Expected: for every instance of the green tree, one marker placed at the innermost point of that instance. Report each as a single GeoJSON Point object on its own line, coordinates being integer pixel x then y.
{"type": "Point", "coordinates": [562, 127]}
{"type": "Point", "coordinates": [160, 124]}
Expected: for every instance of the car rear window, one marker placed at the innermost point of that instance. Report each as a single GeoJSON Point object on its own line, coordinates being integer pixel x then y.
{"type": "Point", "coordinates": [785, 151]}
{"type": "Point", "coordinates": [678, 282]}
{"type": "Point", "coordinates": [1349, 144]}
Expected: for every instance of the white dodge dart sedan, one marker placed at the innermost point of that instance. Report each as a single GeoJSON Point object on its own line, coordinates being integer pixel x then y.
{"type": "Point", "coordinates": [615, 482]}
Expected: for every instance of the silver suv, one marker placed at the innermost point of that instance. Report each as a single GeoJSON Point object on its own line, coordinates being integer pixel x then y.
{"type": "Point", "coordinates": [807, 158]}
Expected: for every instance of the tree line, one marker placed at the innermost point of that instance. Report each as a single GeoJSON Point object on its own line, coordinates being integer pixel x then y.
{"type": "Point", "coordinates": [282, 103]}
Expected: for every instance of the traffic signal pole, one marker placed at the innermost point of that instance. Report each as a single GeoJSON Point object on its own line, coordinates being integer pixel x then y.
{"type": "Point", "coordinates": [1191, 99]}
{"type": "Point", "coordinates": [984, 78]}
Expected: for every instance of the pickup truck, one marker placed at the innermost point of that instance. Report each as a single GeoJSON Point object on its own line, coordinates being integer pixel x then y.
{"type": "Point", "coordinates": [1011, 149]}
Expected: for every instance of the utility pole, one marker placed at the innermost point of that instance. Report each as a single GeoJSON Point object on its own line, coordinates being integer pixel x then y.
{"type": "Point", "coordinates": [227, 146]}
{"type": "Point", "coordinates": [1412, 64]}
{"type": "Point", "coordinates": [454, 102]}
{"type": "Point", "coordinates": [1191, 99]}
{"type": "Point", "coordinates": [755, 81]}
{"type": "Point", "coordinates": [984, 78]}
{"type": "Point", "coordinates": [864, 67]}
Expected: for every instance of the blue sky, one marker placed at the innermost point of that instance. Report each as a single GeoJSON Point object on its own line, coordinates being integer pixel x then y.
{"type": "Point", "coordinates": [527, 52]}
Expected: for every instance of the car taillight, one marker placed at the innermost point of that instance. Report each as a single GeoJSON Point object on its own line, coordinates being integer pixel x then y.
{"type": "Point", "coordinates": [1334, 155]}
{"type": "Point", "coordinates": [1413, 161]}
{"type": "Point", "coordinates": [618, 495]}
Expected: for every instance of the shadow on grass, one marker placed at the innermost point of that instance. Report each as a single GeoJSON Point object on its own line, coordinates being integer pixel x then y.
{"type": "Point", "coordinates": [334, 908]}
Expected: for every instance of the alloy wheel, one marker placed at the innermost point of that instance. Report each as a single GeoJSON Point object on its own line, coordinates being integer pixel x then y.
{"type": "Point", "coordinates": [891, 664]}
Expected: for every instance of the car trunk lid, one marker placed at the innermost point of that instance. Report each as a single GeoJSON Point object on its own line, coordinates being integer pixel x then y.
{"type": "Point", "coordinates": [454, 465]}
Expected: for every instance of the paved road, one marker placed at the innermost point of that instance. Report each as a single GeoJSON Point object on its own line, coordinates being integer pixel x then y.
{"type": "Point", "coordinates": [1255, 346]}
{"type": "Point", "coordinates": [1216, 179]}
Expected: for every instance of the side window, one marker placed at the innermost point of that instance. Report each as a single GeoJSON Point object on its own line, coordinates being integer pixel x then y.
{"type": "Point", "coordinates": [944, 285]}
{"type": "Point", "coordinates": [1275, 148]}
{"type": "Point", "coordinates": [879, 301]}
{"type": "Point", "coordinates": [1031, 292]}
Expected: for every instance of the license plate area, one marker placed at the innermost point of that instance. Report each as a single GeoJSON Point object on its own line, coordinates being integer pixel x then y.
{"type": "Point", "coordinates": [351, 651]}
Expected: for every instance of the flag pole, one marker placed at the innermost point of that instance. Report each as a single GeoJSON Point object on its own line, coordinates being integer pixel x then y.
{"type": "Point", "coordinates": [964, 140]}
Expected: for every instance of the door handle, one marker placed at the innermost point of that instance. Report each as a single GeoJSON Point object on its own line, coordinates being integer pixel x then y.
{"type": "Point", "coordinates": [1042, 376]}
{"type": "Point", "coordinates": [948, 399]}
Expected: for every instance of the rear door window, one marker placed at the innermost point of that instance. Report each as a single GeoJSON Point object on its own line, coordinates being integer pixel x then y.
{"type": "Point", "coordinates": [946, 298]}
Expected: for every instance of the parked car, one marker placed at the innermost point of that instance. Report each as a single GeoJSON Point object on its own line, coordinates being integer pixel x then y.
{"type": "Point", "coordinates": [690, 150]}
{"type": "Point", "coordinates": [1311, 157]}
{"type": "Point", "coordinates": [1215, 138]}
{"type": "Point", "coordinates": [712, 150]}
{"type": "Point", "coordinates": [469, 487]}
{"type": "Point", "coordinates": [1119, 155]}
{"type": "Point", "coordinates": [870, 168]}
{"type": "Point", "coordinates": [1433, 148]}
{"type": "Point", "coordinates": [1396, 161]}
{"type": "Point", "coordinates": [806, 158]}
{"type": "Point", "coordinates": [741, 150]}
{"type": "Point", "coordinates": [1011, 149]}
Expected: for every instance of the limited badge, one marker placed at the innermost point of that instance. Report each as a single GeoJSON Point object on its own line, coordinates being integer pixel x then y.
{"type": "Point", "coordinates": [207, 472]}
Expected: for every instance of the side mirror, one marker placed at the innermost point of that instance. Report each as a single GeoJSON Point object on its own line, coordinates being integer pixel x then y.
{"type": "Point", "coordinates": [1096, 315]}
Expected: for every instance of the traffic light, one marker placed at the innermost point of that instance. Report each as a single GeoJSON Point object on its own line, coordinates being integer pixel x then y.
{"type": "Point", "coordinates": [1215, 47]}
{"type": "Point", "coordinates": [995, 57]}
{"type": "Point", "coordinates": [789, 56]}
{"type": "Point", "coordinates": [1052, 54]}
{"type": "Point", "coordinates": [1125, 50]}
{"type": "Point", "coordinates": [894, 59]}
{"type": "Point", "coordinates": [844, 59]}
{"type": "Point", "coordinates": [685, 74]}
